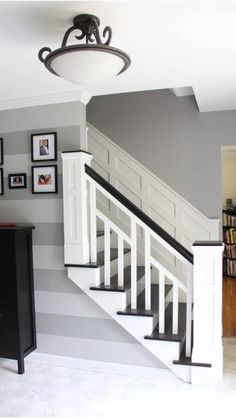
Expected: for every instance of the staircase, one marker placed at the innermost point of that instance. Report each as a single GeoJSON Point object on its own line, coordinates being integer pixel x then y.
{"type": "Point", "coordinates": [134, 288]}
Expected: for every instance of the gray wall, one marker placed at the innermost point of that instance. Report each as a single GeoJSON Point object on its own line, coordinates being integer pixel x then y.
{"type": "Point", "coordinates": [68, 322]}
{"type": "Point", "coordinates": [170, 137]}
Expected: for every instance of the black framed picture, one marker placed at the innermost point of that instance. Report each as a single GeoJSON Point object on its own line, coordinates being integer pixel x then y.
{"type": "Point", "coordinates": [1, 182]}
{"type": "Point", "coordinates": [44, 147]}
{"type": "Point", "coordinates": [17, 181]}
{"type": "Point", "coordinates": [44, 179]}
{"type": "Point", "coordinates": [1, 151]}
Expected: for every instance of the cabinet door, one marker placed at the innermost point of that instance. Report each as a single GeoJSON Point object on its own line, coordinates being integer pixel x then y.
{"type": "Point", "coordinates": [8, 299]}
{"type": "Point", "coordinates": [8, 331]}
{"type": "Point", "coordinates": [25, 293]}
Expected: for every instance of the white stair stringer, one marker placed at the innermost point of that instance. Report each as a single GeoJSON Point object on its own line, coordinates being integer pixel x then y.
{"type": "Point", "coordinates": [137, 326]}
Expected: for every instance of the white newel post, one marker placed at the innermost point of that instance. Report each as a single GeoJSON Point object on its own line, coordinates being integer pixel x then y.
{"type": "Point", "coordinates": [75, 207]}
{"type": "Point", "coordinates": [207, 334]}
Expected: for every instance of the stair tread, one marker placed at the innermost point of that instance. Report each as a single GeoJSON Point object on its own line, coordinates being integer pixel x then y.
{"type": "Point", "coordinates": [100, 259]}
{"type": "Point", "coordinates": [141, 311]}
{"type": "Point", "coordinates": [187, 361]}
{"type": "Point", "coordinates": [167, 335]}
{"type": "Point", "coordinates": [100, 233]}
{"type": "Point", "coordinates": [127, 281]}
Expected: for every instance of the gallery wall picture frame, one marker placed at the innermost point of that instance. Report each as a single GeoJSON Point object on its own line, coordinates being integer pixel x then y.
{"type": "Point", "coordinates": [44, 179]}
{"type": "Point", "coordinates": [1, 182]}
{"type": "Point", "coordinates": [44, 147]}
{"type": "Point", "coordinates": [1, 151]}
{"type": "Point", "coordinates": [17, 181]}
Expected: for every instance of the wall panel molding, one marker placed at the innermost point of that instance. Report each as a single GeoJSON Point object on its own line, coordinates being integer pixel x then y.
{"type": "Point", "coordinates": [181, 219]}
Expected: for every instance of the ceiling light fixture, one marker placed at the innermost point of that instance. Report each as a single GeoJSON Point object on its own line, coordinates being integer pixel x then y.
{"type": "Point", "coordinates": [86, 63]}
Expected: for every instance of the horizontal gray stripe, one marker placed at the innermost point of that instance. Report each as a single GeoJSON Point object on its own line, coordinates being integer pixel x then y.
{"type": "Point", "coordinates": [32, 210]}
{"type": "Point", "coordinates": [21, 163]}
{"type": "Point", "coordinates": [54, 281]}
{"type": "Point", "coordinates": [43, 117]}
{"type": "Point", "coordinates": [23, 194]}
{"type": "Point", "coordinates": [48, 257]}
{"type": "Point", "coordinates": [108, 351]}
{"type": "Point", "coordinates": [68, 304]}
{"type": "Point", "coordinates": [68, 138]}
{"type": "Point", "coordinates": [76, 327]}
{"type": "Point", "coordinates": [48, 234]}
{"type": "Point", "coordinates": [16, 142]}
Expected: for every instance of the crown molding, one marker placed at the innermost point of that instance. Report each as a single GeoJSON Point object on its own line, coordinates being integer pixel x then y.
{"type": "Point", "coordinates": [182, 91]}
{"type": "Point", "coordinates": [82, 96]}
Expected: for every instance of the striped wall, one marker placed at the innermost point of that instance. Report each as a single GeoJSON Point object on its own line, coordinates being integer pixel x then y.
{"type": "Point", "coordinates": [68, 322]}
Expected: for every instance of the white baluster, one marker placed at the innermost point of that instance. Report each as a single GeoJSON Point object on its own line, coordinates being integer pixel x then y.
{"type": "Point", "coordinates": [147, 270]}
{"type": "Point", "coordinates": [133, 264]}
{"type": "Point", "coordinates": [175, 317]}
{"type": "Point", "coordinates": [189, 310]}
{"type": "Point", "coordinates": [120, 261]}
{"type": "Point", "coordinates": [93, 226]}
{"type": "Point", "coordinates": [161, 302]}
{"type": "Point", "coordinates": [107, 257]}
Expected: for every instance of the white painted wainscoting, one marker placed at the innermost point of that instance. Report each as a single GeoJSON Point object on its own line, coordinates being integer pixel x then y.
{"type": "Point", "coordinates": [166, 207]}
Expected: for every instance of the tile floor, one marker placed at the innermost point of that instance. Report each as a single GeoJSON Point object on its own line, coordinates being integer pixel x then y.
{"type": "Point", "coordinates": [57, 391]}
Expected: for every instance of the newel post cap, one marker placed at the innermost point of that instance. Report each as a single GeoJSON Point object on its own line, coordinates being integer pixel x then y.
{"type": "Point", "coordinates": [76, 154]}
{"type": "Point", "coordinates": [208, 246]}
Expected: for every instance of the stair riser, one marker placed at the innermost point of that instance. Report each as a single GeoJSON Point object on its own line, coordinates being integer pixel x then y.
{"type": "Point", "coordinates": [165, 349]}
{"type": "Point", "coordinates": [84, 278]}
{"type": "Point", "coordinates": [137, 326]}
{"type": "Point", "coordinates": [111, 302]}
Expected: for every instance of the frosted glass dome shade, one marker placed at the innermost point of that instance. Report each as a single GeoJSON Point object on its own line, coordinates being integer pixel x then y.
{"type": "Point", "coordinates": [86, 66]}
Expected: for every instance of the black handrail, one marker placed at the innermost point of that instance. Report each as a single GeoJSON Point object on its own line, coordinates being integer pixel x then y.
{"type": "Point", "coordinates": [139, 213]}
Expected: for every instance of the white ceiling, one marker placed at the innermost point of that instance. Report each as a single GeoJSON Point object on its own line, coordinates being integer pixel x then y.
{"type": "Point", "coordinates": [171, 45]}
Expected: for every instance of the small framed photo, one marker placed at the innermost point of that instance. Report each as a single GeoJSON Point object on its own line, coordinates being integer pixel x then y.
{"type": "Point", "coordinates": [17, 181]}
{"type": "Point", "coordinates": [44, 179]}
{"type": "Point", "coordinates": [1, 151]}
{"type": "Point", "coordinates": [44, 147]}
{"type": "Point", "coordinates": [1, 182]}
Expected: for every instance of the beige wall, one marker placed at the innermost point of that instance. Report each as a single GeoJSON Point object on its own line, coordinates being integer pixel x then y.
{"type": "Point", "coordinates": [228, 159]}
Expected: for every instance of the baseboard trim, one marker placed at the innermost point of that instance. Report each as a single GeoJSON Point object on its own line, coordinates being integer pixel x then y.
{"type": "Point", "coordinates": [101, 366]}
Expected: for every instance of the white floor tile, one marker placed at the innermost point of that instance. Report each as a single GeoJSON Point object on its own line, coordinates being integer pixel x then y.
{"type": "Point", "coordinates": [56, 391]}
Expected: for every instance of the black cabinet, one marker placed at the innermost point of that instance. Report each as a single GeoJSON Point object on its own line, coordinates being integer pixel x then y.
{"type": "Point", "coordinates": [17, 311]}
